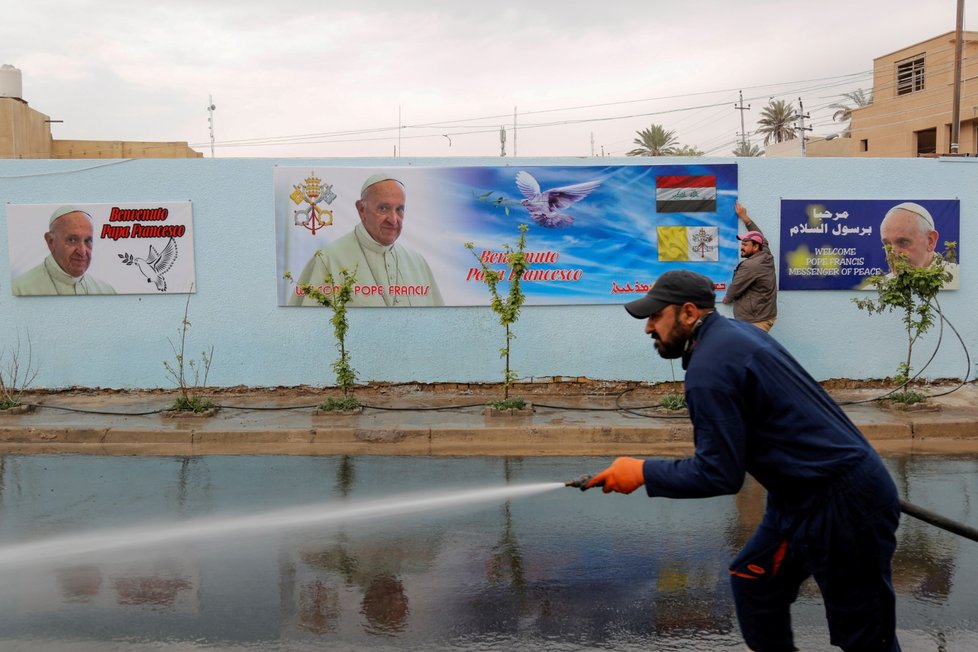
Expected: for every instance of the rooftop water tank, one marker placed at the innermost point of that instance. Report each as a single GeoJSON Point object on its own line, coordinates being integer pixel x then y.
{"type": "Point", "coordinates": [10, 82]}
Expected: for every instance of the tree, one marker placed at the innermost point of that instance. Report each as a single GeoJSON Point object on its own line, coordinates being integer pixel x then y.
{"type": "Point", "coordinates": [843, 110]}
{"type": "Point", "coordinates": [507, 308]}
{"type": "Point", "coordinates": [913, 290]}
{"type": "Point", "coordinates": [335, 294]}
{"type": "Point", "coordinates": [747, 149]}
{"type": "Point", "coordinates": [776, 122]}
{"type": "Point", "coordinates": [687, 150]}
{"type": "Point", "coordinates": [654, 141]}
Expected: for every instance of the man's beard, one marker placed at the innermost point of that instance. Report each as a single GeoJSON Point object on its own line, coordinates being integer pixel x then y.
{"type": "Point", "coordinates": [676, 345]}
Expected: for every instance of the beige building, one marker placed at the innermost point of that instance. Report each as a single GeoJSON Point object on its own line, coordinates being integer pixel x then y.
{"type": "Point", "coordinates": [26, 133]}
{"type": "Point", "coordinates": [814, 146]}
{"type": "Point", "coordinates": [912, 100]}
{"type": "Point", "coordinates": [911, 110]}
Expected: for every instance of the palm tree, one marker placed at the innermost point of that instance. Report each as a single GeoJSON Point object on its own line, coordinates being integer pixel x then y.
{"type": "Point", "coordinates": [843, 111]}
{"type": "Point", "coordinates": [776, 122]}
{"type": "Point", "coordinates": [687, 150]}
{"type": "Point", "coordinates": [747, 149]}
{"type": "Point", "coordinates": [654, 141]}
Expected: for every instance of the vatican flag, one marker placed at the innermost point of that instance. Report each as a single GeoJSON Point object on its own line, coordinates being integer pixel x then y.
{"type": "Point", "coordinates": [689, 243]}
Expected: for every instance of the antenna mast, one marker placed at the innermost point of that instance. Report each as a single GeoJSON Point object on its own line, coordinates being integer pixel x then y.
{"type": "Point", "coordinates": [210, 120]}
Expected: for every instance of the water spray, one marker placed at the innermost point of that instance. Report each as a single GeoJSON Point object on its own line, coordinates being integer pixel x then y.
{"type": "Point", "coordinates": [114, 540]}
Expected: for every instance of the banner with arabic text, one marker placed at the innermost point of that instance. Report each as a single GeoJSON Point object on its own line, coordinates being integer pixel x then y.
{"type": "Point", "coordinates": [837, 244]}
{"type": "Point", "coordinates": [596, 234]}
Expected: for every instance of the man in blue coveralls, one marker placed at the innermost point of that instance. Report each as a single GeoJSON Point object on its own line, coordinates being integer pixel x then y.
{"type": "Point", "coordinates": [832, 508]}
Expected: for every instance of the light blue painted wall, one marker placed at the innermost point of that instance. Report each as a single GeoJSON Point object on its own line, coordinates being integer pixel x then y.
{"type": "Point", "coordinates": [120, 342]}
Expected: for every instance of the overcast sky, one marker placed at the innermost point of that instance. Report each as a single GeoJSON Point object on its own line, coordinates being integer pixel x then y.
{"type": "Point", "coordinates": [326, 79]}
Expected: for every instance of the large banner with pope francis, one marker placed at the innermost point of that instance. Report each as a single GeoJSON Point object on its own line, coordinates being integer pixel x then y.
{"type": "Point", "coordinates": [594, 234]}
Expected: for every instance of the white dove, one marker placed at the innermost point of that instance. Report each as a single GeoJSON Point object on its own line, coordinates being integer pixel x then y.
{"type": "Point", "coordinates": [544, 205]}
{"type": "Point", "coordinates": [155, 265]}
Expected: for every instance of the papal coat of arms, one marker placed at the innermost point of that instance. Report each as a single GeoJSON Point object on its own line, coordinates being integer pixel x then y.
{"type": "Point", "coordinates": [312, 192]}
{"type": "Point", "coordinates": [704, 243]}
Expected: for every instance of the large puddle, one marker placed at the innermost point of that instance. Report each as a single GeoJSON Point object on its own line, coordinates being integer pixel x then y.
{"type": "Point", "coordinates": [293, 553]}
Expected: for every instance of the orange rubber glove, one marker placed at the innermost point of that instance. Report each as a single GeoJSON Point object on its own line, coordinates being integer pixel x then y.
{"type": "Point", "coordinates": [625, 475]}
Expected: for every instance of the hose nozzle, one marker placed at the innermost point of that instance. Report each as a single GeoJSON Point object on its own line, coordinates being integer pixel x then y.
{"type": "Point", "coordinates": [580, 483]}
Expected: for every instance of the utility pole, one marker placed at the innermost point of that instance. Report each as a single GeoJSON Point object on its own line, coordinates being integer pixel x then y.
{"type": "Point", "coordinates": [592, 144]}
{"type": "Point", "coordinates": [396, 149]}
{"type": "Point", "coordinates": [514, 131]}
{"type": "Point", "coordinates": [502, 141]}
{"type": "Point", "coordinates": [740, 107]}
{"type": "Point", "coordinates": [210, 120]}
{"type": "Point", "coordinates": [956, 101]}
{"type": "Point", "coordinates": [801, 128]}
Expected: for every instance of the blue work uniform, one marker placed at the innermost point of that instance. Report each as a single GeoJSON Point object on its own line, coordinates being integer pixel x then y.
{"type": "Point", "coordinates": [832, 508]}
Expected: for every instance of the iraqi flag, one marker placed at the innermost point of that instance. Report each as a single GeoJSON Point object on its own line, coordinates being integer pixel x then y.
{"type": "Point", "coordinates": [686, 194]}
{"type": "Point", "coordinates": [688, 243]}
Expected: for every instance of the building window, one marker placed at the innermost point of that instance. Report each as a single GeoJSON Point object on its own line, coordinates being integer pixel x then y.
{"type": "Point", "coordinates": [864, 145]}
{"type": "Point", "coordinates": [910, 75]}
{"type": "Point", "coordinates": [926, 141]}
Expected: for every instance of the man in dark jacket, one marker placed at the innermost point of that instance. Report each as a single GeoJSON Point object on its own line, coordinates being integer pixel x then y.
{"type": "Point", "coordinates": [832, 509]}
{"type": "Point", "coordinates": [754, 288]}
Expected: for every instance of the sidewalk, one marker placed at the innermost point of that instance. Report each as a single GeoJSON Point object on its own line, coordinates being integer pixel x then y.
{"type": "Point", "coordinates": [576, 418]}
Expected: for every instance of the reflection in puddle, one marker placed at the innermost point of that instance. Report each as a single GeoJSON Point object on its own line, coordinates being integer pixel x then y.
{"type": "Point", "coordinates": [319, 607]}
{"type": "Point", "coordinates": [80, 583]}
{"type": "Point", "coordinates": [385, 605]}
{"type": "Point", "coordinates": [562, 570]}
{"type": "Point", "coordinates": [155, 591]}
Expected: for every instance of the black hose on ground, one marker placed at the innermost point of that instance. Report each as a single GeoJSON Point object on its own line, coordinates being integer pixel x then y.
{"type": "Point", "coordinates": [937, 520]}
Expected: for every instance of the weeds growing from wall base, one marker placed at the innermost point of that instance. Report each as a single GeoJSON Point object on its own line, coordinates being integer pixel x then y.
{"type": "Point", "coordinates": [183, 368]}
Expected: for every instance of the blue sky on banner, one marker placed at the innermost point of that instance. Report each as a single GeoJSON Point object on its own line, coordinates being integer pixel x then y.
{"type": "Point", "coordinates": [613, 237]}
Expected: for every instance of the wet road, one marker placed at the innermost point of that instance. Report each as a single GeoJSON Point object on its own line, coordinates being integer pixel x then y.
{"type": "Point", "coordinates": [550, 570]}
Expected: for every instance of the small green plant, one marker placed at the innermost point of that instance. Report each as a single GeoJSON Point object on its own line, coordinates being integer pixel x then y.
{"type": "Point", "coordinates": [189, 374]}
{"type": "Point", "coordinates": [673, 402]}
{"type": "Point", "coordinates": [507, 308]}
{"type": "Point", "coordinates": [911, 290]}
{"type": "Point", "coordinates": [336, 299]}
{"type": "Point", "coordinates": [344, 404]}
{"type": "Point", "coordinates": [908, 397]}
{"type": "Point", "coordinates": [192, 403]}
{"type": "Point", "coordinates": [16, 373]}
{"type": "Point", "coordinates": [508, 404]}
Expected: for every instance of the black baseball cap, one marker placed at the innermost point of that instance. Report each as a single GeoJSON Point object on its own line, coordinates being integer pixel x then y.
{"type": "Point", "coordinates": [674, 288]}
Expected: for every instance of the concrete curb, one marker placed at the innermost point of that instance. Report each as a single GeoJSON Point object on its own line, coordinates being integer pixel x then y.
{"type": "Point", "coordinates": [118, 424]}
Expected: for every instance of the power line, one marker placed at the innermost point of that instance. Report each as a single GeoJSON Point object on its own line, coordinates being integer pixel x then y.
{"type": "Point", "coordinates": [337, 136]}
